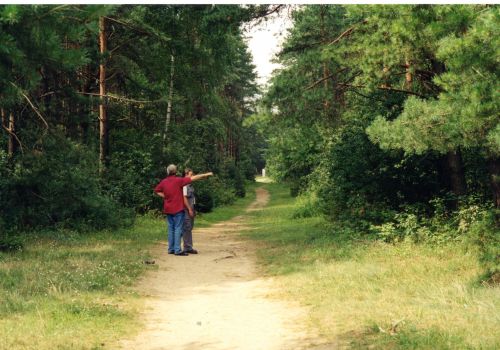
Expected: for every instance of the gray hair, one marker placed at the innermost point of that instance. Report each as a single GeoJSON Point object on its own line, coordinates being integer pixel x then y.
{"type": "Point", "coordinates": [171, 169]}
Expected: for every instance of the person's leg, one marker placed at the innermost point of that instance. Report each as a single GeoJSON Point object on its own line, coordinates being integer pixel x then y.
{"type": "Point", "coordinates": [178, 222]}
{"type": "Point", "coordinates": [192, 226]}
{"type": "Point", "coordinates": [187, 232]}
{"type": "Point", "coordinates": [171, 229]}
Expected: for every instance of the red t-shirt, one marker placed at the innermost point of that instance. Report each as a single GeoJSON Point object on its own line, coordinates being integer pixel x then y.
{"type": "Point", "coordinates": [171, 187]}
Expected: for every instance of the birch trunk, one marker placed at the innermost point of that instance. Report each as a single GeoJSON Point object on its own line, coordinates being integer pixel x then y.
{"type": "Point", "coordinates": [103, 119]}
{"type": "Point", "coordinates": [12, 129]}
{"type": "Point", "coordinates": [169, 102]}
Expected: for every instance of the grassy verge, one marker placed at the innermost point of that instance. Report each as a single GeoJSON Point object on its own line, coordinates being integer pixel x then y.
{"type": "Point", "coordinates": [71, 291]}
{"type": "Point", "coordinates": [367, 294]}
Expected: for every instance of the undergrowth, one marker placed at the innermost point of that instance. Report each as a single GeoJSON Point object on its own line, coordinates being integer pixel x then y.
{"type": "Point", "coordinates": [363, 292]}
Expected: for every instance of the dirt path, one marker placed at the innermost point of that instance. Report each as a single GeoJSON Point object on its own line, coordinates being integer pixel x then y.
{"type": "Point", "coordinates": [216, 300]}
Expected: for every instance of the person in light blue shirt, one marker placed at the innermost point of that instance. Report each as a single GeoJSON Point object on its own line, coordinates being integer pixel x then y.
{"type": "Point", "coordinates": [189, 214]}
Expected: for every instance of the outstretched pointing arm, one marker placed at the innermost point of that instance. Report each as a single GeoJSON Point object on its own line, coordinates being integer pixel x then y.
{"type": "Point", "coordinates": [201, 176]}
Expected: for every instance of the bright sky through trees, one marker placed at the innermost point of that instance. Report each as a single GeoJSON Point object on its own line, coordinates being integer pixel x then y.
{"type": "Point", "coordinates": [264, 41]}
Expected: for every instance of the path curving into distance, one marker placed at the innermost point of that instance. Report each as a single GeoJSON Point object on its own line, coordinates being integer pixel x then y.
{"type": "Point", "coordinates": [216, 300]}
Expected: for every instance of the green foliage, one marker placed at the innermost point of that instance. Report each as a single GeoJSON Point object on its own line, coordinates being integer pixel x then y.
{"type": "Point", "coordinates": [49, 76]}
{"type": "Point", "coordinates": [385, 296]}
{"type": "Point", "coordinates": [389, 114]}
{"type": "Point", "coordinates": [131, 173]}
{"type": "Point", "coordinates": [6, 184]}
{"type": "Point", "coordinates": [59, 188]}
{"type": "Point", "coordinates": [10, 242]}
{"type": "Point", "coordinates": [413, 223]}
{"type": "Point", "coordinates": [306, 206]}
{"type": "Point", "coordinates": [483, 234]}
{"type": "Point", "coordinates": [208, 191]}
{"type": "Point", "coordinates": [465, 113]}
{"type": "Point", "coordinates": [69, 288]}
{"type": "Point", "coordinates": [236, 177]}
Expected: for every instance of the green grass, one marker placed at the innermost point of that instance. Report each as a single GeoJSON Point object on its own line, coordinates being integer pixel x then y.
{"type": "Point", "coordinates": [363, 293]}
{"type": "Point", "coordinates": [74, 291]}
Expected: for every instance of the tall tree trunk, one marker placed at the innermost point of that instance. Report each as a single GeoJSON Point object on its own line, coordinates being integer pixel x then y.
{"type": "Point", "coordinates": [408, 76]}
{"type": "Point", "coordinates": [385, 78]}
{"type": "Point", "coordinates": [169, 102]}
{"type": "Point", "coordinates": [103, 119]}
{"type": "Point", "coordinates": [5, 125]}
{"type": "Point", "coordinates": [9, 124]}
{"type": "Point", "coordinates": [12, 128]}
{"type": "Point", "coordinates": [451, 175]}
{"type": "Point", "coordinates": [494, 170]}
{"type": "Point", "coordinates": [457, 177]}
{"type": "Point", "coordinates": [326, 71]}
{"type": "Point", "coordinates": [84, 107]}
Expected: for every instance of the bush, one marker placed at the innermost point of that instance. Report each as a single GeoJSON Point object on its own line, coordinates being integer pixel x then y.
{"type": "Point", "coordinates": [306, 206]}
{"type": "Point", "coordinates": [406, 226]}
{"type": "Point", "coordinates": [130, 180]}
{"type": "Point", "coordinates": [59, 186]}
{"type": "Point", "coordinates": [212, 193]}
{"type": "Point", "coordinates": [9, 243]}
{"type": "Point", "coordinates": [483, 234]}
{"type": "Point", "coordinates": [473, 223]}
{"type": "Point", "coordinates": [7, 210]}
{"type": "Point", "coordinates": [204, 192]}
{"type": "Point", "coordinates": [233, 177]}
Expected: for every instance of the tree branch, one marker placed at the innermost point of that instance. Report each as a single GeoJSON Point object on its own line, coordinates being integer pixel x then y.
{"type": "Point", "coordinates": [120, 98]}
{"type": "Point", "coordinates": [365, 96]}
{"type": "Point", "coordinates": [138, 29]}
{"type": "Point", "coordinates": [32, 106]}
{"type": "Point", "coordinates": [273, 10]}
{"type": "Point", "coordinates": [345, 33]}
{"type": "Point", "coordinates": [15, 136]}
{"type": "Point", "coordinates": [387, 88]}
{"type": "Point", "coordinates": [325, 78]}
{"type": "Point", "coordinates": [403, 91]}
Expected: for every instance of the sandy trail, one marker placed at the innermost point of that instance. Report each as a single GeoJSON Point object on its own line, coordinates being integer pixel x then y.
{"type": "Point", "coordinates": [216, 300]}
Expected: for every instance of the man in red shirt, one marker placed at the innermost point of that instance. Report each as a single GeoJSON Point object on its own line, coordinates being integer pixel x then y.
{"type": "Point", "coordinates": [170, 189]}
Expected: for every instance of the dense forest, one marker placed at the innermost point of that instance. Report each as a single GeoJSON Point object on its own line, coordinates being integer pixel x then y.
{"type": "Point", "coordinates": [384, 119]}
{"type": "Point", "coordinates": [97, 100]}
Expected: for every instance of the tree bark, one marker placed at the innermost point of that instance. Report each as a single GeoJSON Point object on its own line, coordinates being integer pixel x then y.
{"type": "Point", "coordinates": [11, 146]}
{"type": "Point", "coordinates": [86, 107]}
{"type": "Point", "coordinates": [408, 76]}
{"type": "Point", "coordinates": [456, 173]}
{"type": "Point", "coordinates": [169, 102]}
{"type": "Point", "coordinates": [326, 71]}
{"type": "Point", "coordinates": [103, 119]}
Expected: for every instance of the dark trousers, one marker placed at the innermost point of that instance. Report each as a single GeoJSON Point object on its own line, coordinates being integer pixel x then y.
{"type": "Point", "coordinates": [187, 231]}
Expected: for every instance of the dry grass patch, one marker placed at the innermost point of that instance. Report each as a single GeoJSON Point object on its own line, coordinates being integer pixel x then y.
{"type": "Point", "coordinates": [74, 291]}
{"type": "Point", "coordinates": [367, 294]}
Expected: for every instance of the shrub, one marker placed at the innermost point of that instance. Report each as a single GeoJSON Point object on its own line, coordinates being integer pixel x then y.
{"type": "Point", "coordinates": [306, 205]}
{"type": "Point", "coordinates": [405, 226]}
{"type": "Point", "coordinates": [9, 242]}
{"type": "Point", "coordinates": [483, 234]}
{"type": "Point", "coordinates": [59, 185]}
{"type": "Point", "coordinates": [232, 175]}
{"type": "Point", "coordinates": [204, 192]}
{"type": "Point", "coordinates": [130, 179]}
